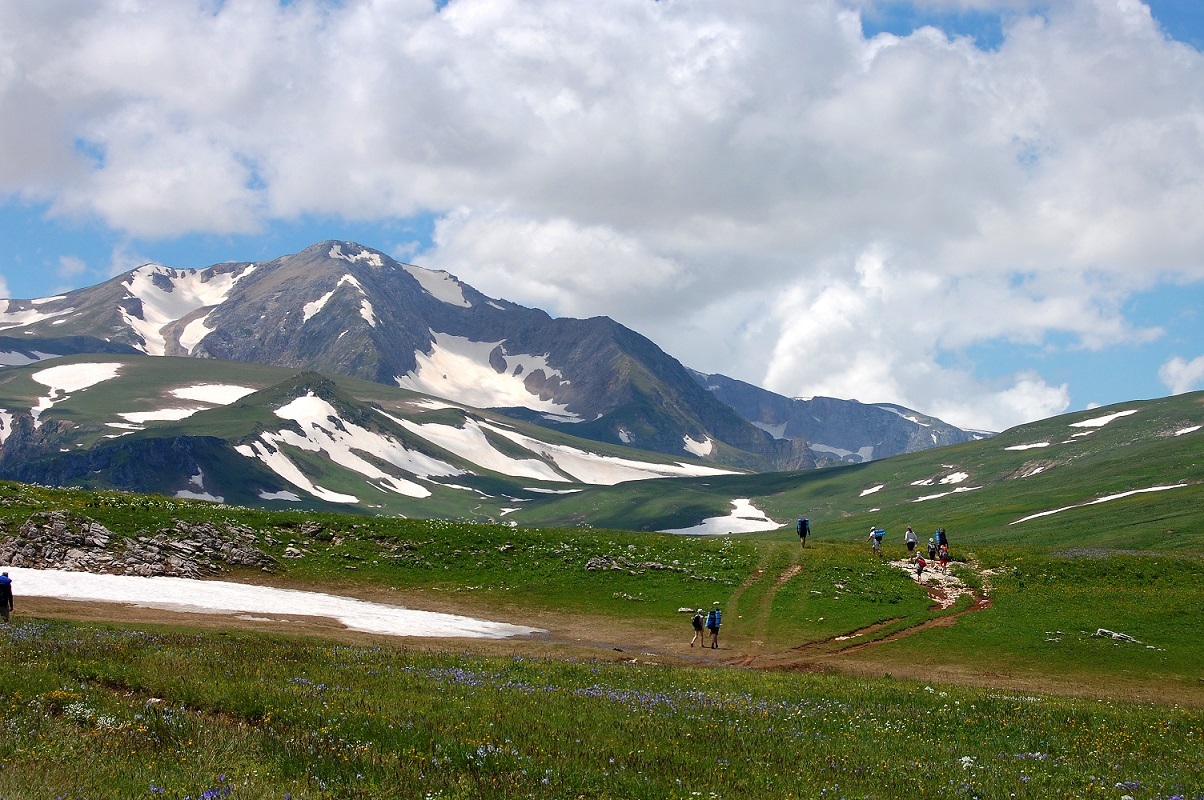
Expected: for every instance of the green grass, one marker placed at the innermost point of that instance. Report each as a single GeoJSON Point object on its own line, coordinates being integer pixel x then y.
{"type": "Point", "coordinates": [1046, 608]}
{"type": "Point", "coordinates": [115, 712]}
{"type": "Point", "coordinates": [98, 711]}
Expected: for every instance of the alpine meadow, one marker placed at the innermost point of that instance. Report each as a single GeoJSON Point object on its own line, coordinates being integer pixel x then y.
{"type": "Point", "coordinates": [328, 580]}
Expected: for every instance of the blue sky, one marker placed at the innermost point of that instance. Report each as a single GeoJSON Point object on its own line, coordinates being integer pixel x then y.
{"type": "Point", "coordinates": [987, 211]}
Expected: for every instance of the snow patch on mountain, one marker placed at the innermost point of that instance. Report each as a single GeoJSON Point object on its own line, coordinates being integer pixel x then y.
{"type": "Point", "coordinates": [1098, 500]}
{"type": "Point", "coordinates": [193, 333]}
{"type": "Point", "coordinates": [471, 444]}
{"type": "Point", "coordinates": [439, 284]}
{"type": "Point", "coordinates": [909, 417]}
{"type": "Point", "coordinates": [15, 358]}
{"type": "Point", "coordinates": [939, 495]}
{"type": "Point", "coordinates": [776, 431]}
{"type": "Point", "coordinates": [285, 495]}
{"type": "Point", "coordinates": [324, 431]}
{"type": "Point", "coordinates": [218, 394]}
{"type": "Point", "coordinates": [198, 480]}
{"type": "Point", "coordinates": [743, 518]}
{"type": "Point", "coordinates": [1027, 446]}
{"type": "Point", "coordinates": [67, 378]}
{"type": "Point", "coordinates": [11, 317]}
{"type": "Point", "coordinates": [600, 469]}
{"type": "Point", "coordinates": [864, 453]}
{"type": "Point", "coordinates": [6, 424]}
{"type": "Point", "coordinates": [185, 292]}
{"type": "Point", "coordinates": [356, 253]}
{"type": "Point", "coordinates": [700, 449]}
{"type": "Point", "coordinates": [162, 414]}
{"type": "Point", "coordinates": [1100, 422]}
{"type": "Point", "coordinates": [458, 368]}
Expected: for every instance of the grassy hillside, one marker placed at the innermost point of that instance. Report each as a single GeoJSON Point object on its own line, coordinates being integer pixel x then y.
{"type": "Point", "coordinates": [855, 679]}
{"type": "Point", "coordinates": [1054, 482]}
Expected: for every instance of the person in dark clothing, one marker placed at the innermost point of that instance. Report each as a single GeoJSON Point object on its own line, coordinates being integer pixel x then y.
{"type": "Point", "coordinates": [6, 596]}
{"type": "Point", "coordinates": [699, 636]}
{"type": "Point", "coordinates": [804, 527]}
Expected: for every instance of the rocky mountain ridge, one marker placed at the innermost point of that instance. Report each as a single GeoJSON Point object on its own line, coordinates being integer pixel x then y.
{"type": "Point", "coordinates": [341, 308]}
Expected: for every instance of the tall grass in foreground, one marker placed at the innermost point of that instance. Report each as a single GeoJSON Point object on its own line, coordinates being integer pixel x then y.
{"type": "Point", "coordinates": [107, 712]}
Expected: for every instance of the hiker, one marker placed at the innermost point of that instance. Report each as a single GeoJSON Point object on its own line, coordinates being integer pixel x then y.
{"type": "Point", "coordinates": [876, 536]}
{"type": "Point", "coordinates": [932, 549]}
{"type": "Point", "coordinates": [920, 564]}
{"type": "Point", "coordinates": [941, 538]}
{"type": "Point", "coordinates": [910, 538]}
{"type": "Point", "coordinates": [714, 619]}
{"type": "Point", "coordinates": [804, 527]}
{"type": "Point", "coordinates": [944, 557]}
{"type": "Point", "coordinates": [698, 634]}
{"type": "Point", "coordinates": [6, 596]}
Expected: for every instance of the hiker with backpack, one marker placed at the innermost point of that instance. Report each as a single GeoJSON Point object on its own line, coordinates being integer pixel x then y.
{"type": "Point", "coordinates": [876, 537]}
{"type": "Point", "coordinates": [910, 539]}
{"type": "Point", "coordinates": [698, 634]}
{"type": "Point", "coordinates": [803, 526]}
{"type": "Point", "coordinates": [714, 619]}
{"type": "Point", "coordinates": [6, 596]}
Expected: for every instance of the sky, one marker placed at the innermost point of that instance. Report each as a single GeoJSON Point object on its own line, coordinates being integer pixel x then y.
{"type": "Point", "coordinates": [984, 210]}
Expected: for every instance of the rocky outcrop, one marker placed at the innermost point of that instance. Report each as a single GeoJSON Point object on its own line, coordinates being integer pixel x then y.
{"type": "Point", "coordinates": [66, 541]}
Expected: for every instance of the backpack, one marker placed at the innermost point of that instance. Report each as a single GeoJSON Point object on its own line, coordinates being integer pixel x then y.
{"type": "Point", "coordinates": [697, 622]}
{"type": "Point", "coordinates": [879, 533]}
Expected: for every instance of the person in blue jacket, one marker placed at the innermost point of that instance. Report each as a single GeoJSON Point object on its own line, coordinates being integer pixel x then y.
{"type": "Point", "coordinates": [803, 526]}
{"type": "Point", "coordinates": [714, 620]}
{"type": "Point", "coordinates": [6, 596]}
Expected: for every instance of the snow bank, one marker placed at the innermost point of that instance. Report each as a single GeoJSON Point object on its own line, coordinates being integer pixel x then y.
{"type": "Point", "coordinates": [224, 597]}
{"type": "Point", "coordinates": [744, 518]}
{"type": "Point", "coordinates": [1100, 422]}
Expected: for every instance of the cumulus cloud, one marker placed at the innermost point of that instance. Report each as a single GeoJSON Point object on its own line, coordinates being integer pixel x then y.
{"type": "Point", "coordinates": [1180, 375]}
{"type": "Point", "coordinates": [762, 189]}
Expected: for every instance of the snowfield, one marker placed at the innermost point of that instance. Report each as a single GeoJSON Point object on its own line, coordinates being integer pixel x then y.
{"type": "Point", "coordinates": [67, 378]}
{"type": "Point", "coordinates": [218, 394]}
{"type": "Point", "coordinates": [342, 441]}
{"type": "Point", "coordinates": [225, 597]}
{"type": "Point", "coordinates": [744, 518]}
{"type": "Point", "coordinates": [458, 369]}
{"type": "Point", "coordinates": [189, 292]}
{"type": "Point", "coordinates": [1100, 422]}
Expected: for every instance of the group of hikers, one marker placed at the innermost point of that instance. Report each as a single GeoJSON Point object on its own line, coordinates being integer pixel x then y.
{"type": "Point", "coordinates": [711, 620]}
{"type": "Point", "coordinates": [938, 553]}
{"type": "Point", "coordinates": [938, 548]}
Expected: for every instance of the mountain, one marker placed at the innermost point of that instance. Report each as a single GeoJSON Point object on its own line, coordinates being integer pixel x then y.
{"type": "Point", "coordinates": [836, 431]}
{"type": "Point", "coordinates": [272, 437]}
{"type": "Point", "coordinates": [339, 308]}
{"type": "Point", "coordinates": [279, 438]}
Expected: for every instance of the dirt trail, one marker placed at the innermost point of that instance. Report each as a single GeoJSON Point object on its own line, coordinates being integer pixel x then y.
{"type": "Point", "coordinates": [944, 588]}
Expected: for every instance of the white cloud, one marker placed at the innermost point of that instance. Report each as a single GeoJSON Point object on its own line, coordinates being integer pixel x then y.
{"type": "Point", "coordinates": [758, 188]}
{"type": "Point", "coordinates": [1182, 376]}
